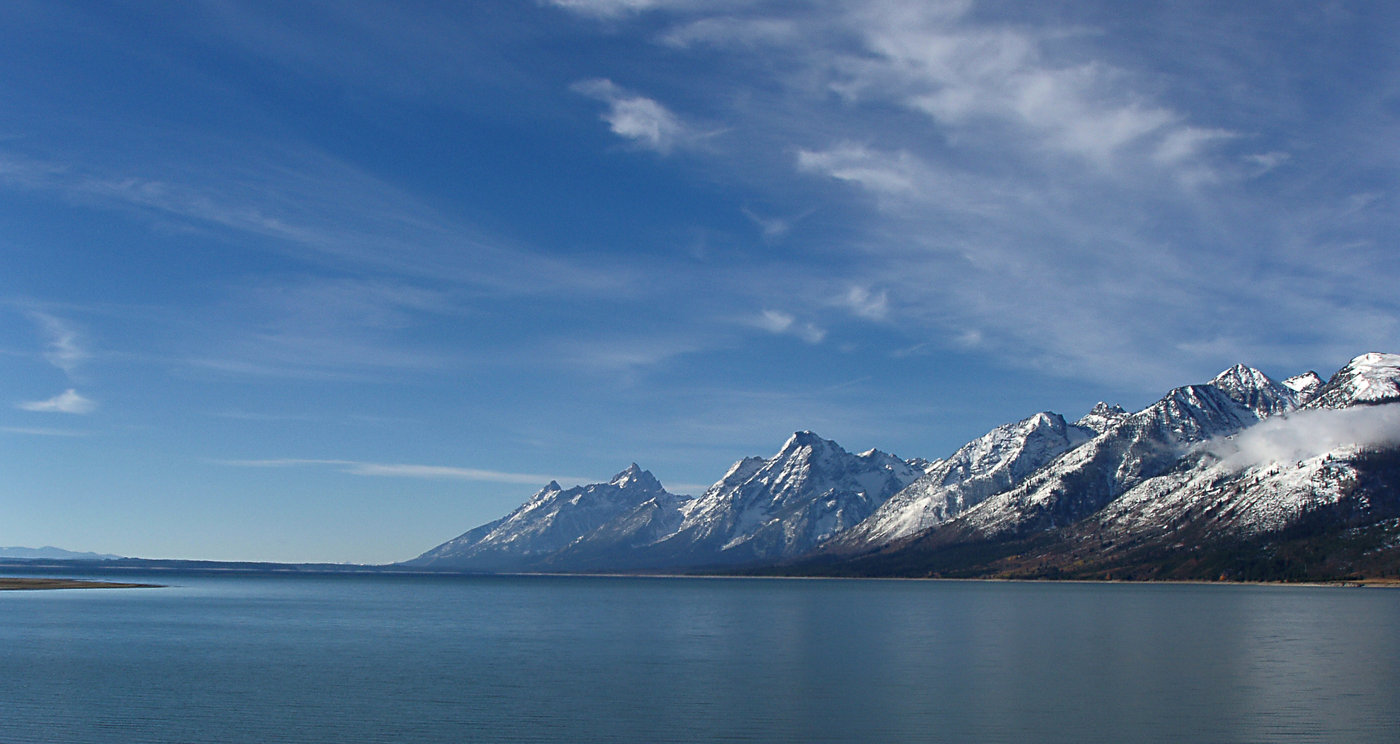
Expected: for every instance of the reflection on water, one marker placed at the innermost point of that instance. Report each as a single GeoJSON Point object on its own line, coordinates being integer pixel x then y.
{"type": "Point", "coordinates": [448, 659]}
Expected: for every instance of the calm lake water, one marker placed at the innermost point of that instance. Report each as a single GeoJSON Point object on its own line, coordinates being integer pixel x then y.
{"type": "Point", "coordinates": [543, 659]}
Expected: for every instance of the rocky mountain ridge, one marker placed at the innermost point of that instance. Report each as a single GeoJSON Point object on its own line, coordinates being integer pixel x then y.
{"type": "Point", "coordinates": [1239, 459]}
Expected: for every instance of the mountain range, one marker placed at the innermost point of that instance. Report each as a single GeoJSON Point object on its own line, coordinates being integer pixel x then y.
{"type": "Point", "coordinates": [49, 552]}
{"type": "Point", "coordinates": [1241, 477]}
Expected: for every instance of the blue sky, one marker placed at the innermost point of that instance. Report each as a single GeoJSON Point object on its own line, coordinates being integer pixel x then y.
{"type": "Point", "coordinates": [338, 281]}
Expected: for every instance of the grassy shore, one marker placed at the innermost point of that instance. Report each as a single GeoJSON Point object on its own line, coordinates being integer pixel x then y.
{"type": "Point", "coordinates": [12, 584]}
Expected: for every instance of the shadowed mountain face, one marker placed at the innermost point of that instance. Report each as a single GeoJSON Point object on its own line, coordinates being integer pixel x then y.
{"type": "Point", "coordinates": [1237, 461]}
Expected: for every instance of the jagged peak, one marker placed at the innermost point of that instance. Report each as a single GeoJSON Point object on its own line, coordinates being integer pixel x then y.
{"type": "Point", "coordinates": [1252, 389]}
{"type": "Point", "coordinates": [746, 464]}
{"type": "Point", "coordinates": [1242, 375]}
{"type": "Point", "coordinates": [804, 438]}
{"type": "Point", "coordinates": [1103, 409]}
{"type": "Point", "coordinates": [550, 490]}
{"type": "Point", "coordinates": [1102, 417]}
{"type": "Point", "coordinates": [807, 439]}
{"type": "Point", "coordinates": [635, 477]}
{"type": "Point", "coordinates": [1045, 418]}
{"type": "Point", "coordinates": [877, 454]}
{"type": "Point", "coordinates": [1304, 383]}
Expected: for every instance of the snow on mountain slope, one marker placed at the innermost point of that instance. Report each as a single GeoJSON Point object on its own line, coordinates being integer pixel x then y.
{"type": "Point", "coordinates": [786, 505]}
{"type": "Point", "coordinates": [1240, 456]}
{"type": "Point", "coordinates": [990, 464]}
{"type": "Point", "coordinates": [1367, 379]}
{"type": "Point", "coordinates": [1304, 385]}
{"type": "Point", "coordinates": [1101, 418]}
{"type": "Point", "coordinates": [1141, 446]}
{"type": "Point", "coordinates": [549, 521]}
{"type": "Point", "coordinates": [1227, 501]}
{"type": "Point", "coordinates": [1262, 478]}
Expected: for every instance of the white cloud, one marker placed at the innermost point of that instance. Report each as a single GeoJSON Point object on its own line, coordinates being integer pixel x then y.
{"type": "Point", "coordinates": [63, 349]}
{"type": "Point", "coordinates": [43, 432]}
{"type": "Point", "coordinates": [733, 31]}
{"type": "Point", "coordinates": [882, 172]}
{"type": "Point", "coordinates": [636, 117]}
{"type": "Point", "coordinates": [966, 75]}
{"type": "Point", "coordinates": [867, 304]}
{"type": "Point", "coordinates": [607, 8]}
{"type": "Point", "coordinates": [626, 355]}
{"type": "Point", "coordinates": [1264, 162]}
{"type": "Point", "coordinates": [779, 322]}
{"type": "Point", "coordinates": [401, 470]}
{"type": "Point", "coordinates": [326, 328]}
{"type": "Point", "coordinates": [771, 227]}
{"type": "Point", "coordinates": [1186, 143]}
{"type": "Point", "coordinates": [69, 401]}
{"type": "Point", "coordinates": [311, 206]}
{"type": "Point", "coordinates": [1310, 433]}
{"type": "Point", "coordinates": [774, 321]}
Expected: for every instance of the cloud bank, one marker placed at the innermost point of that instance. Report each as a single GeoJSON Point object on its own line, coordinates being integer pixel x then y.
{"type": "Point", "coordinates": [1303, 435]}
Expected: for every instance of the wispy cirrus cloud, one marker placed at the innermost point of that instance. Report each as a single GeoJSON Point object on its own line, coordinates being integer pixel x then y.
{"type": "Point", "coordinates": [1042, 194]}
{"type": "Point", "coordinates": [867, 303]}
{"type": "Point", "coordinates": [68, 401]}
{"type": "Point", "coordinates": [63, 347]}
{"type": "Point", "coordinates": [309, 206]}
{"type": "Point", "coordinates": [967, 75]}
{"type": "Point", "coordinates": [619, 8]}
{"type": "Point", "coordinates": [606, 8]}
{"type": "Point", "coordinates": [887, 173]}
{"type": "Point", "coordinates": [781, 323]}
{"type": "Point", "coordinates": [403, 470]}
{"type": "Point", "coordinates": [43, 432]}
{"type": "Point", "coordinates": [317, 327]}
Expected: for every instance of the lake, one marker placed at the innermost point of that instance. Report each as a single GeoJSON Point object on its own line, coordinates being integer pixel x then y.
{"type": "Point", "coordinates": [404, 658]}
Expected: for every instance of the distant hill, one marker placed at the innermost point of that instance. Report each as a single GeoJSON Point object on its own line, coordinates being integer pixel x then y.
{"type": "Point", "coordinates": [50, 553]}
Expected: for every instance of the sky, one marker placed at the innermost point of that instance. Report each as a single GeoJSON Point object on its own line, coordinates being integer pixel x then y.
{"type": "Point", "coordinates": [338, 281]}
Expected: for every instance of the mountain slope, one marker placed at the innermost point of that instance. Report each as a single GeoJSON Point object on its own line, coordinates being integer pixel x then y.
{"type": "Point", "coordinates": [1242, 476]}
{"type": "Point", "coordinates": [548, 522]}
{"type": "Point", "coordinates": [1140, 446]}
{"type": "Point", "coordinates": [1369, 379]}
{"type": "Point", "coordinates": [995, 462]}
{"type": "Point", "coordinates": [765, 510]}
{"type": "Point", "coordinates": [1257, 488]}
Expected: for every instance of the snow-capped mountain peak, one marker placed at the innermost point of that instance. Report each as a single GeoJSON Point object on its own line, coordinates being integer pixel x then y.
{"type": "Point", "coordinates": [1240, 456]}
{"type": "Point", "coordinates": [1305, 384]}
{"type": "Point", "coordinates": [549, 521]}
{"type": "Point", "coordinates": [635, 477]}
{"type": "Point", "coordinates": [1366, 380]}
{"type": "Point", "coordinates": [808, 444]}
{"type": "Point", "coordinates": [990, 464]}
{"type": "Point", "coordinates": [1255, 390]}
{"type": "Point", "coordinates": [787, 504]}
{"type": "Point", "coordinates": [1102, 417]}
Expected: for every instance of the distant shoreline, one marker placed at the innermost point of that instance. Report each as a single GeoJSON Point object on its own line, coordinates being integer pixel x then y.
{"type": "Point", "coordinates": [12, 584]}
{"type": "Point", "coordinates": [292, 569]}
